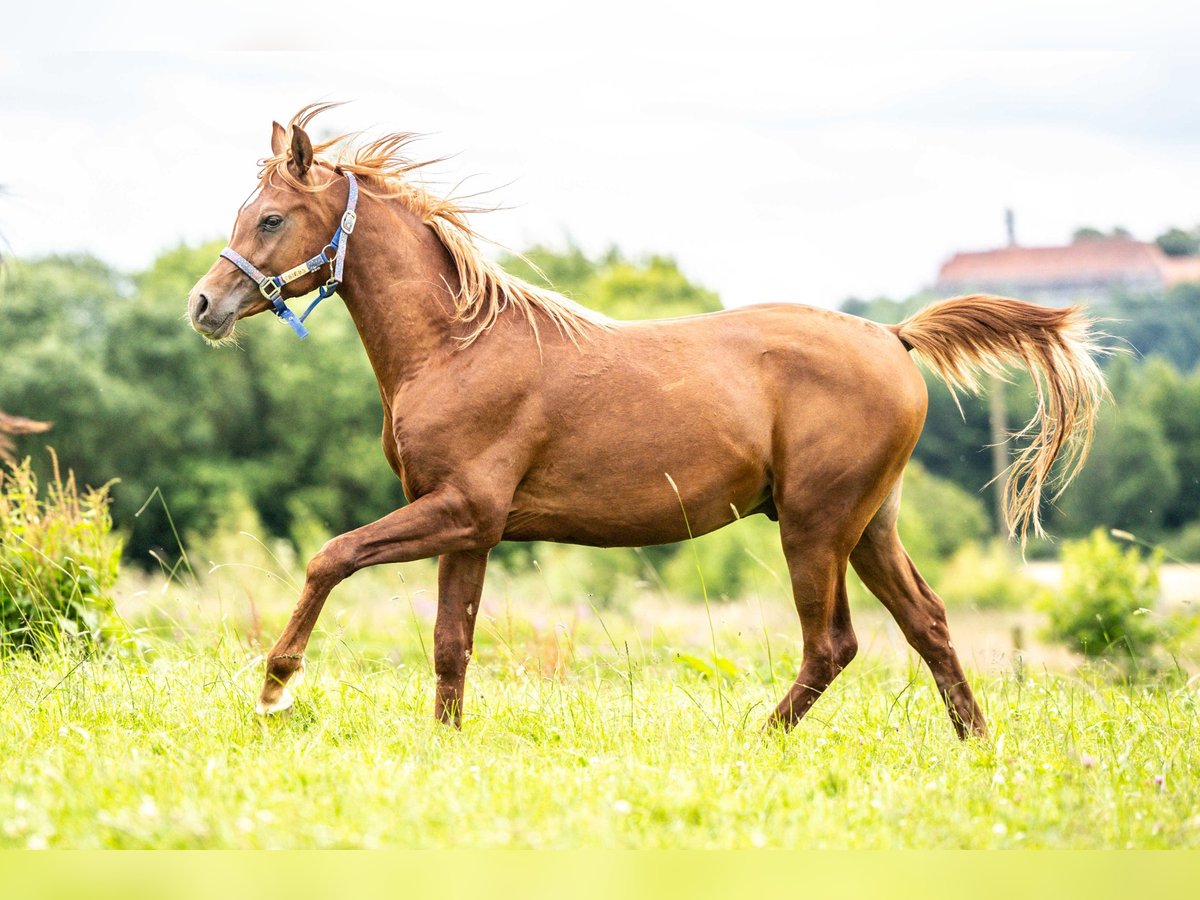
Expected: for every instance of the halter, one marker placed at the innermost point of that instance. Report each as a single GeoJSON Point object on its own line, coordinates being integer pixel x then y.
{"type": "Point", "coordinates": [332, 254]}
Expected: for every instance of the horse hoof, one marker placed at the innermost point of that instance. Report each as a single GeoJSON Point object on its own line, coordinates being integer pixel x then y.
{"type": "Point", "coordinates": [282, 705]}
{"type": "Point", "coordinates": [286, 698]}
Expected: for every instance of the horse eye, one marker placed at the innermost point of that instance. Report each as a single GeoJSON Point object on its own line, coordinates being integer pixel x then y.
{"type": "Point", "coordinates": [270, 223]}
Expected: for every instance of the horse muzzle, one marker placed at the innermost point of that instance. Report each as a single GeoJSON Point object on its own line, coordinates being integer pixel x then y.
{"type": "Point", "coordinates": [211, 316]}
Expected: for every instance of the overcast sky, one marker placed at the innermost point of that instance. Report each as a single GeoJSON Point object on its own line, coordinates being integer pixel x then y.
{"type": "Point", "coordinates": [771, 168]}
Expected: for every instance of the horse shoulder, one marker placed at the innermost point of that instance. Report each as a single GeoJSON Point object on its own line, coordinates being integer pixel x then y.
{"type": "Point", "coordinates": [465, 426]}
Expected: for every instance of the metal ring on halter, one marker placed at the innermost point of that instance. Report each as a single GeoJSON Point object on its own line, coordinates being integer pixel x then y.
{"type": "Point", "coordinates": [269, 289]}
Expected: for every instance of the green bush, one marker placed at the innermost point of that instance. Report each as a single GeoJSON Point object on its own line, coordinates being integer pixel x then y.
{"type": "Point", "coordinates": [58, 560]}
{"type": "Point", "coordinates": [1185, 544]}
{"type": "Point", "coordinates": [986, 577]}
{"type": "Point", "coordinates": [1107, 600]}
{"type": "Point", "coordinates": [743, 558]}
{"type": "Point", "coordinates": [937, 517]}
{"type": "Point", "coordinates": [571, 575]}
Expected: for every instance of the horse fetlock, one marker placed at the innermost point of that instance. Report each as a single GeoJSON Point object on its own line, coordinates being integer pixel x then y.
{"type": "Point", "coordinates": [965, 714]}
{"type": "Point", "coordinates": [283, 666]}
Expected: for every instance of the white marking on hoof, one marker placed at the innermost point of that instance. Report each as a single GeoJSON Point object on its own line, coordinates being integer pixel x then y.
{"type": "Point", "coordinates": [283, 704]}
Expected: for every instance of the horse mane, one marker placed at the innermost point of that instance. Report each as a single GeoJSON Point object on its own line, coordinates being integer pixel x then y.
{"type": "Point", "coordinates": [485, 289]}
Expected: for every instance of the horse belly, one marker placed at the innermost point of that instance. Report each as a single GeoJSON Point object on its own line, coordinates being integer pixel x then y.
{"type": "Point", "coordinates": [652, 480]}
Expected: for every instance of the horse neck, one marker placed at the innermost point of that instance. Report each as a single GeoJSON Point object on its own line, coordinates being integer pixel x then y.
{"type": "Point", "coordinates": [397, 288]}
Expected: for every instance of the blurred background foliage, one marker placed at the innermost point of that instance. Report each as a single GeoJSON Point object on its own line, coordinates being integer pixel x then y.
{"type": "Point", "coordinates": [290, 433]}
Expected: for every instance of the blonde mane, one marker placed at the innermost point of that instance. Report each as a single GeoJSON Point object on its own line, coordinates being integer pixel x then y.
{"type": "Point", "coordinates": [485, 289]}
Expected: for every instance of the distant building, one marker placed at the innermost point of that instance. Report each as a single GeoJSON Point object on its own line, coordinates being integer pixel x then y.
{"type": "Point", "coordinates": [1091, 269]}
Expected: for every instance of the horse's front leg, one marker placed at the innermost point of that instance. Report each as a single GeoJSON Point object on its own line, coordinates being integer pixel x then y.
{"type": "Point", "coordinates": [460, 585]}
{"type": "Point", "coordinates": [442, 522]}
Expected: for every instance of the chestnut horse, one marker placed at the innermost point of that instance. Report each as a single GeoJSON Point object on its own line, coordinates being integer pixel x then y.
{"type": "Point", "coordinates": [511, 413]}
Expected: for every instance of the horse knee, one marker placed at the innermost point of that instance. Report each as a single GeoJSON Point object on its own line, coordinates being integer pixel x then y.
{"type": "Point", "coordinates": [333, 563]}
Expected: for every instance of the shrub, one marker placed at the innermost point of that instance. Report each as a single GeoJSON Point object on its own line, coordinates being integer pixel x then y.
{"type": "Point", "coordinates": [571, 575]}
{"type": "Point", "coordinates": [744, 557]}
{"type": "Point", "coordinates": [937, 517]}
{"type": "Point", "coordinates": [1108, 594]}
{"type": "Point", "coordinates": [1186, 543]}
{"type": "Point", "coordinates": [986, 577]}
{"type": "Point", "coordinates": [58, 560]}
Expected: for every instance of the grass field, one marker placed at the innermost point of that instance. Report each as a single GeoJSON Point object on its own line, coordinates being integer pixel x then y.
{"type": "Point", "coordinates": [584, 728]}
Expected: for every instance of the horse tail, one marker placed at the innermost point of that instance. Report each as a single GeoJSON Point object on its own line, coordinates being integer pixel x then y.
{"type": "Point", "coordinates": [965, 337]}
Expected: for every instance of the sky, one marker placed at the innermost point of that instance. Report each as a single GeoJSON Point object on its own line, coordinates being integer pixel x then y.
{"type": "Point", "coordinates": [789, 156]}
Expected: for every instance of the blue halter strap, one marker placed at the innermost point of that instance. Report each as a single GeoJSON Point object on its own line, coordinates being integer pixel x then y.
{"type": "Point", "coordinates": [332, 254]}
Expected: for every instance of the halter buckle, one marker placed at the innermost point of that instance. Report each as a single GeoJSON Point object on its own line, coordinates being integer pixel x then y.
{"type": "Point", "coordinates": [349, 219]}
{"type": "Point", "coordinates": [269, 289]}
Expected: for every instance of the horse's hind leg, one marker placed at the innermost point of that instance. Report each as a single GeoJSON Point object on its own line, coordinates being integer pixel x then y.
{"type": "Point", "coordinates": [819, 587]}
{"type": "Point", "coordinates": [886, 569]}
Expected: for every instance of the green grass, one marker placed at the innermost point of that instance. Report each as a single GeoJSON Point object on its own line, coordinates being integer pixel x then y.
{"type": "Point", "coordinates": [579, 733]}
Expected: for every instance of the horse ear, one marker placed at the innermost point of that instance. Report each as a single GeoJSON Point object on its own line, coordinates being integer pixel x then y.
{"type": "Point", "coordinates": [278, 139]}
{"type": "Point", "coordinates": [302, 151]}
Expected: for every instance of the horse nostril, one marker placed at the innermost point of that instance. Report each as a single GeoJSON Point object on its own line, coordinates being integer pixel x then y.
{"type": "Point", "coordinates": [201, 306]}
